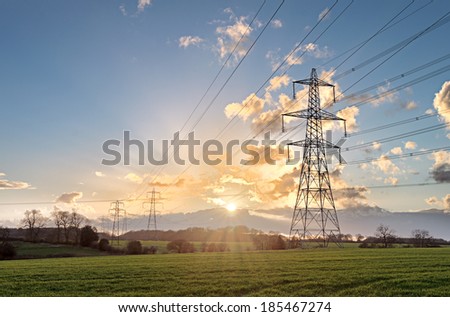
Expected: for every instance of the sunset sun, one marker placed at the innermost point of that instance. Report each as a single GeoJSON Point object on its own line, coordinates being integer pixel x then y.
{"type": "Point", "coordinates": [231, 207]}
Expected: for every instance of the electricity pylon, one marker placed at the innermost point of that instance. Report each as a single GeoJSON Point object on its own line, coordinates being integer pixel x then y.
{"type": "Point", "coordinates": [151, 225]}
{"type": "Point", "coordinates": [117, 208]}
{"type": "Point", "coordinates": [314, 217]}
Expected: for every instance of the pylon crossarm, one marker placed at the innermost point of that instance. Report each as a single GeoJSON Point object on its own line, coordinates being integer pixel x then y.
{"type": "Point", "coordinates": [297, 114]}
{"type": "Point", "coordinates": [325, 115]}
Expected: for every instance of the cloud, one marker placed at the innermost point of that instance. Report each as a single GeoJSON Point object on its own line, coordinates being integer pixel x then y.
{"type": "Point", "coordinates": [384, 95]}
{"type": "Point", "coordinates": [346, 196]}
{"type": "Point", "coordinates": [376, 146]}
{"type": "Point", "coordinates": [276, 24]}
{"type": "Point", "coordinates": [142, 4]}
{"type": "Point", "coordinates": [386, 165]}
{"type": "Point", "coordinates": [440, 170]}
{"type": "Point", "coordinates": [250, 106]}
{"type": "Point", "coordinates": [323, 13]}
{"type": "Point", "coordinates": [278, 81]}
{"type": "Point", "coordinates": [99, 174]}
{"type": "Point", "coordinates": [132, 177]}
{"type": "Point", "coordinates": [186, 41]}
{"type": "Point", "coordinates": [391, 180]}
{"type": "Point", "coordinates": [228, 178]}
{"type": "Point", "coordinates": [410, 145]}
{"type": "Point", "coordinates": [440, 203]}
{"type": "Point", "coordinates": [178, 183]}
{"type": "Point", "coordinates": [69, 198]}
{"type": "Point", "coordinates": [296, 55]}
{"type": "Point", "coordinates": [215, 201]}
{"type": "Point", "coordinates": [409, 105]}
{"type": "Point", "coordinates": [230, 35]}
{"type": "Point", "coordinates": [446, 201]}
{"type": "Point", "coordinates": [7, 184]}
{"type": "Point", "coordinates": [349, 114]}
{"type": "Point", "coordinates": [432, 200]}
{"type": "Point", "coordinates": [284, 185]}
{"type": "Point", "coordinates": [123, 10]}
{"type": "Point", "coordinates": [441, 103]}
{"type": "Point", "coordinates": [396, 151]}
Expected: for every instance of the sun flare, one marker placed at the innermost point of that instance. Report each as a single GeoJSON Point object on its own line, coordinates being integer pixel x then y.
{"type": "Point", "coordinates": [231, 207]}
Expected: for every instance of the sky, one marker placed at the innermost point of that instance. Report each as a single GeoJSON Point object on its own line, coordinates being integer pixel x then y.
{"type": "Point", "coordinates": [75, 74]}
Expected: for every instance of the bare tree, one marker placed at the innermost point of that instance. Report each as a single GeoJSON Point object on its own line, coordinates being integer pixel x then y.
{"type": "Point", "coordinates": [76, 220]}
{"type": "Point", "coordinates": [64, 217]}
{"type": "Point", "coordinates": [359, 237]}
{"type": "Point", "coordinates": [4, 234]}
{"type": "Point", "coordinates": [56, 215]}
{"type": "Point", "coordinates": [422, 238]}
{"type": "Point", "coordinates": [386, 235]}
{"type": "Point", "coordinates": [33, 221]}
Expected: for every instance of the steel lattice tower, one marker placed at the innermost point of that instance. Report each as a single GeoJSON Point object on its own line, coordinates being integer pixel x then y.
{"type": "Point", "coordinates": [151, 225]}
{"type": "Point", "coordinates": [117, 208]}
{"type": "Point", "coordinates": [314, 217]}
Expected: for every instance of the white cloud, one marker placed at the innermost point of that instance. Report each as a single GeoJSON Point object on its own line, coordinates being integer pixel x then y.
{"type": "Point", "coordinates": [276, 24]}
{"type": "Point", "coordinates": [440, 203]}
{"type": "Point", "coordinates": [123, 10]}
{"type": "Point", "coordinates": [250, 106]}
{"type": "Point", "coordinates": [230, 35]}
{"type": "Point", "coordinates": [376, 146]}
{"type": "Point", "coordinates": [69, 198]}
{"type": "Point", "coordinates": [186, 41]}
{"type": "Point", "coordinates": [215, 201]}
{"type": "Point", "coordinates": [410, 145]}
{"type": "Point", "coordinates": [349, 114]}
{"type": "Point", "coordinates": [277, 82]}
{"type": "Point", "coordinates": [386, 165]}
{"type": "Point", "coordinates": [391, 180]}
{"type": "Point", "coordinates": [441, 103]}
{"type": "Point", "coordinates": [7, 184]}
{"type": "Point", "coordinates": [397, 150]}
{"type": "Point", "coordinates": [132, 177]}
{"type": "Point", "coordinates": [323, 13]}
{"type": "Point", "coordinates": [142, 4]}
{"type": "Point", "coordinates": [227, 178]}
{"type": "Point", "coordinates": [409, 105]}
{"type": "Point", "coordinates": [99, 174]}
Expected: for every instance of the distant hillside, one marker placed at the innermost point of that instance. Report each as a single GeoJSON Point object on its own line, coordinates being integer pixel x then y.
{"type": "Point", "coordinates": [361, 220]}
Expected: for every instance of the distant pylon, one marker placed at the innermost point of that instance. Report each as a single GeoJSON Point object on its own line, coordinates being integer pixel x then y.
{"type": "Point", "coordinates": [151, 205]}
{"type": "Point", "coordinates": [314, 217]}
{"type": "Point", "coordinates": [117, 208]}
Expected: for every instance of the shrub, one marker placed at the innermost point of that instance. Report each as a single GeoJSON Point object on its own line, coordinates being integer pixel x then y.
{"type": "Point", "coordinates": [7, 251]}
{"type": "Point", "coordinates": [180, 246]}
{"type": "Point", "coordinates": [88, 235]}
{"type": "Point", "coordinates": [134, 247]}
{"type": "Point", "coordinates": [103, 245]}
{"type": "Point", "coordinates": [149, 250]}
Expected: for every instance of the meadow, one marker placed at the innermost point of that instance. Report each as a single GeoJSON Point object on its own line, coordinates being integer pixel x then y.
{"type": "Point", "coordinates": [311, 272]}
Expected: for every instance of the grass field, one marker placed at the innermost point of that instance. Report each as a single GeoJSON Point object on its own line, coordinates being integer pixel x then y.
{"type": "Point", "coordinates": [314, 272]}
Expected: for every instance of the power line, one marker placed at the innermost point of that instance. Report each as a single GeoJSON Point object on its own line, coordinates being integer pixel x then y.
{"type": "Point", "coordinates": [398, 136]}
{"type": "Point", "coordinates": [381, 31]}
{"type": "Point", "coordinates": [395, 124]}
{"type": "Point", "coordinates": [399, 156]}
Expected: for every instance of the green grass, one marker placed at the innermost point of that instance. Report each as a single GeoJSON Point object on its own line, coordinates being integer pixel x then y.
{"type": "Point", "coordinates": [42, 250]}
{"type": "Point", "coordinates": [233, 246]}
{"type": "Point", "coordinates": [314, 272]}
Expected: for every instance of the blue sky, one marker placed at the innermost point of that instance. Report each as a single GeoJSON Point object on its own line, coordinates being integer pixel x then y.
{"type": "Point", "coordinates": [77, 73]}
